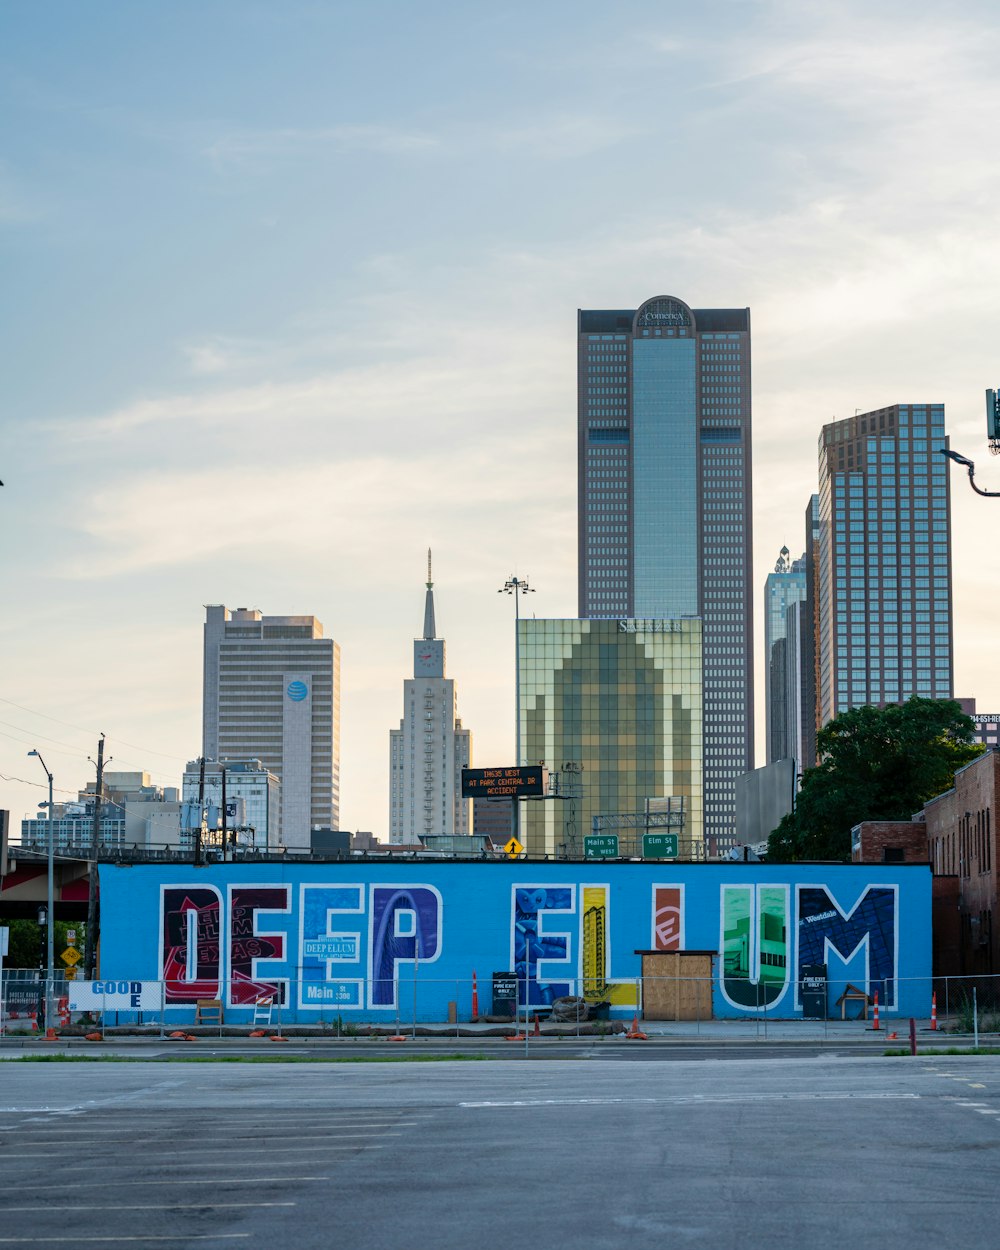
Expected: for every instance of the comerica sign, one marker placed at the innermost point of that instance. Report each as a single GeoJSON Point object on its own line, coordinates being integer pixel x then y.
{"type": "Point", "coordinates": [531, 780]}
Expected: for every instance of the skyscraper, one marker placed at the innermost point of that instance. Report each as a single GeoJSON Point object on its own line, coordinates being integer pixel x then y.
{"type": "Point", "coordinates": [621, 702]}
{"type": "Point", "coordinates": [784, 587]}
{"type": "Point", "coordinates": [884, 561]}
{"type": "Point", "coordinates": [430, 748]}
{"type": "Point", "coordinates": [272, 693]}
{"type": "Point", "coordinates": [665, 531]}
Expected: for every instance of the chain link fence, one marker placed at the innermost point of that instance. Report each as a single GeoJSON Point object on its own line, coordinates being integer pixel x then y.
{"type": "Point", "coordinates": [580, 1007]}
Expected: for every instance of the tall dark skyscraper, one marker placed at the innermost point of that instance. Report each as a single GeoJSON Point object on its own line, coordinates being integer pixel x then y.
{"type": "Point", "coordinates": [665, 502]}
{"type": "Point", "coordinates": [883, 608]}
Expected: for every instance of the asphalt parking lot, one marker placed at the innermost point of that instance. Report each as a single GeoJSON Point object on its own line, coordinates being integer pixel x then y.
{"type": "Point", "coordinates": [742, 1153]}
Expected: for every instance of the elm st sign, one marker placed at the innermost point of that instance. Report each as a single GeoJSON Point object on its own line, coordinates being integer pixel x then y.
{"type": "Point", "coordinates": [530, 781]}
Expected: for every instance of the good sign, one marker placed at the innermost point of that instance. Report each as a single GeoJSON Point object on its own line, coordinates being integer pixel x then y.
{"type": "Point", "coordinates": [504, 783]}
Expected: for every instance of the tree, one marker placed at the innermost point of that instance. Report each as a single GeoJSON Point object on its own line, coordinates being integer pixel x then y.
{"type": "Point", "coordinates": [876, 764]}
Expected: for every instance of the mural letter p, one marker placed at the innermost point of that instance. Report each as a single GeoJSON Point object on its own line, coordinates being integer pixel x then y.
{"type": "Point", "coordinates": [405, 928]}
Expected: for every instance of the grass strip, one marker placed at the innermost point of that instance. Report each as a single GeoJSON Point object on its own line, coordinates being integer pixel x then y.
{"type": "Point", "coordinates": [251, 1059]}
{"type": "Point", "coordinates": [924, 1052]}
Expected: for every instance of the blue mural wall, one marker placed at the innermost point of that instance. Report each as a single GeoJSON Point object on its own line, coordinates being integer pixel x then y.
{"type": "Point", "coordinates": [375, 940]}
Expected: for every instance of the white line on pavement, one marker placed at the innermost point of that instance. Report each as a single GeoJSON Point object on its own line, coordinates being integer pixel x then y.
{"type": "Point", "coordinates": [155, 1206]}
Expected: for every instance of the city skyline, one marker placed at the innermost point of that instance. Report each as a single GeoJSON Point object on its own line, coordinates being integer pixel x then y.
{"type": "Point", "coordinates": [226, 380]}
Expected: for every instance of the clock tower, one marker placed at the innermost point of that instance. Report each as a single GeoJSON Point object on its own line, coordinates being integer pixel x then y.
{"type": "Point", "coordinates": [430, 748]}
{"type": "Point", "coordinates": [428, 652]}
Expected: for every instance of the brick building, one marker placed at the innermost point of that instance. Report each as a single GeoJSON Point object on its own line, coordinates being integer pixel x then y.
{"type": "Point", "coordinates": [957, 834]}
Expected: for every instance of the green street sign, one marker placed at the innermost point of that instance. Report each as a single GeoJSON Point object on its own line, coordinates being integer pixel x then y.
{"type": "Point", "coordinates": [600, 846]}
{"type": "Point", "coordinates": [659, 846]}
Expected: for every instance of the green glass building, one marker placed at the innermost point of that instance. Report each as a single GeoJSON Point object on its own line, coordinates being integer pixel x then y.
{"type": "Point", "coordinates": [614, 709]}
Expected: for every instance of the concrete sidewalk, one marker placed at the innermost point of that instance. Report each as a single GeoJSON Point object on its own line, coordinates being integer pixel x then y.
{"type": "Point", "coordinates": [739, 1032]}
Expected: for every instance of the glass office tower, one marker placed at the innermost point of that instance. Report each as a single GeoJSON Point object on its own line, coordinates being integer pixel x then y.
{"type": "Point", "coordinates": [884, 561]}
{"type": "Point", "coordinates": [664, 444]}
{"type": "Point", "coordinates": [614, 708]}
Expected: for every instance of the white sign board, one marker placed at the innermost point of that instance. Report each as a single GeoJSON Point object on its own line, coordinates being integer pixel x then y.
{"type": "Point", "coordinates": [115, 995]}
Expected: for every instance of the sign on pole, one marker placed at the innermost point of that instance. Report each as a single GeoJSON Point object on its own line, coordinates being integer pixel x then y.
{"type": "Point", "coordinates": [529, 781]}
{"type": "Point", "coordinates": [659, 845]}
{"type": "Point", "coordinates": [600, 846]}
{"type": "Point", "coordinates": [513, 849]}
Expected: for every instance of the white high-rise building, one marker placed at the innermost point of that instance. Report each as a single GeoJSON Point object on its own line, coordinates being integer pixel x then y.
{"type": "Point", "coordinates": [430, 748]}
{"type": "Point", "coordinates": [272, 693]}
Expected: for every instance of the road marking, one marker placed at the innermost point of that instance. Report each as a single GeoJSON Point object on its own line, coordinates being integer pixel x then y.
{"type": "Point", "coordinates": [232, 1152]}
{"type": "Point", "coordinates": [64, 1139]}
{"type": "Point", "coordinates": [61, 1133]}
{"type": "Point", "coordinates": [157, 1206]}
{"type": "Point", "coordinates": [987, 1111]}
{"type": "Point", "coordinates": [973, 1085]}
{"type": "Point", "coordinates": [188, 1180]}
{"type": "Point", "coordinates": [36, 1240]}
{"type": "Point", "coordinates": [694, 1099]}
{"type": "Point", "coordinates": [232, 1159]}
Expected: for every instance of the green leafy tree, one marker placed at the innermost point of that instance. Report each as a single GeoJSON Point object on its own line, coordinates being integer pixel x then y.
{"type": "Point", "coordinates": [876, 764]}
{"type": "Point", "coordinates": [26, 948]}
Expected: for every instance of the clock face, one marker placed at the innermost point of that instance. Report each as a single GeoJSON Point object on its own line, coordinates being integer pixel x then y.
{"type": "Point", "coordinates": [428, 658]}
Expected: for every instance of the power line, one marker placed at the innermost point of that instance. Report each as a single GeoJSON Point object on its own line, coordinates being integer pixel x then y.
{"type": "Point", "coordinates": [41, 738]}
{"type": "Point", "coordinates": [92, 732]}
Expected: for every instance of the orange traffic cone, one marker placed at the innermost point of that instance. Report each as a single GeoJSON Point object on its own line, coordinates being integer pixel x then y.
{"type": "Point", "coordinates": [934, 1010]}
{"type": "Point", "coordinates": [536, 1032]}
{"type": "Point", "coordinates": [635, 1031]}
{"type": "Point", "coordinates": [875, 1016]}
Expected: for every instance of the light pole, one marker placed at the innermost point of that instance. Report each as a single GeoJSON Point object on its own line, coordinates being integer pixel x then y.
{"type": "Point", "coordinates": [516, 586]}
{"type": "Point", "coordinates": [968, 464]}
{"type": "Point", "coordinates": [50, 909]}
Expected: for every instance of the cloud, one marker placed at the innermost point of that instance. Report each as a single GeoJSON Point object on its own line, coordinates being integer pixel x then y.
{"type": "Point", "coordinates": [563, 136]}
{"type": "Point", "coordinates": [360, 505]}
{"type": "Point", "coordinates": [247, 148]}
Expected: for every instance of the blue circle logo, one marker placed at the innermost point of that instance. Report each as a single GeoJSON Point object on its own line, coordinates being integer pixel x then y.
{"type": "Point", "coordinates": [297, 691]}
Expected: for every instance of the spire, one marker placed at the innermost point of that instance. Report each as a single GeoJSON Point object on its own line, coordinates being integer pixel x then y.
{"type": "Point", "coordinates": [429, 601]}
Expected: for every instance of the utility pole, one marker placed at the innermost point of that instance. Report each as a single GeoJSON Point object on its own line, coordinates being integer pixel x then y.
{"type": "Point", "coordinates": [90, 967]}
{"type": "Point", "coordinates": [225, 821]}
{"type": "Point", "coordinates": [201, 811]}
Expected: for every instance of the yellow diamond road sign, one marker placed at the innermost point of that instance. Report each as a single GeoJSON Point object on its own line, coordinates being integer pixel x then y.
{"type": "Point", "coordinates": [71, 956]}
{"type": "Point", "coordinates": [513, 848]}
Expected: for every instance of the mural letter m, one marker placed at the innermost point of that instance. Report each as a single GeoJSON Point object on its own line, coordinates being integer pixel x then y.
{"type": "Point", "coordinates": [866, 932]}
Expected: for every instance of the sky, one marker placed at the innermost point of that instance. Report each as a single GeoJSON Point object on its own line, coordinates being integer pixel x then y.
{"type": "Point", "coordinates": [289, 295]}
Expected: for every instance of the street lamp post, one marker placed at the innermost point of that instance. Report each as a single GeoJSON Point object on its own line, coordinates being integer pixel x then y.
{"type": "Point", "coordinates": [50, 910]}
{"type": "Point", "coordinates": [966, 463]}
{"type": "Point", "coordinates": [516, 586]}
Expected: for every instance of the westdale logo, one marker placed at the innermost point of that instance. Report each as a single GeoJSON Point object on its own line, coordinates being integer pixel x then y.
{"type": "Point", "coordinates": [297, 691]}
